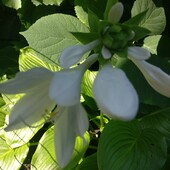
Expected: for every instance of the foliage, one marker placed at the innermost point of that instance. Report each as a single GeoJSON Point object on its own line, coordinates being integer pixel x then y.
{"type": "Point", "coordinates": [37, 40]}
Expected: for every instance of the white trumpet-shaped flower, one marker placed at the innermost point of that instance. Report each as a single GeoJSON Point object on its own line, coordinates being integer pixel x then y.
{"type": "Point", "coordinates": [114, 94]}
{"type": "Point", "coordinates": [43, 90]}
{"type": "Point", "coordinates": [73, 54]}
{"type": "Point", "coordinates": [70, 123]}
{"type": "Point", "coordinates": [138, 53]}
{"type": "Point", "coordinates": [36, 103]}
{"type": "Point", "coordinates": [66, 85]}
{"type": "Point", "coordinates": [158, 79]}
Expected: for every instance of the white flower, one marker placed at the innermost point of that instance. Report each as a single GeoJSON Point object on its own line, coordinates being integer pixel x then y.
{"type": "Point", "coordinates": [65, 87]}
{"type": "Point", "coordinates": [158, 79]}
{"type": "Point", "coordinates": [43, 90]}
{"type": "Point", "coordinates": [36, 102]}
{"type": "Point", "coordinates": [70, 123]}
{"type": "Point", "coordinates": [114, 94]}
{"type": "Point", "coordinates": [138, 53]}
{"type": "Point", "coordinates": [73, 54]}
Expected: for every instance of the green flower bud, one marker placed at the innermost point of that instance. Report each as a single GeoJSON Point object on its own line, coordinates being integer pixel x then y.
{"type": "Point", "coordinates": [116, 37]}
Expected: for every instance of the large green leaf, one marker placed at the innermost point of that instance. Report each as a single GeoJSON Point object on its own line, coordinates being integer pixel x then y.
{"type": "Point", "coordinates": [11, 158]}
{"type": "Point", "coordinates": [126, 145]}
{"type": "Point", "coordinates": [154, 19]}
{"type": "Point", "coordinates": [44, 157]}
{"type": "Point", "coordinates": [47, 2]}
{"type": "Point", "coordinates": [51, 34]}
{"type": "Point", "coordinates": [158, 120]}
{"type": "Point", "coordinates": [20, 137]}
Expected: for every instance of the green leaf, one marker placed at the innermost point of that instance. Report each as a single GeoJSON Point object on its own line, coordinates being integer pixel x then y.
{"type": "Point", "coordinates": [81, 14]}
{"type": "Point", "coordinates": [2, 117]}
{"type": "Point", "coordinates": [87, 82]}
{"type": "Point", "coordinates": [47, 2]}
{"type": "Point", "coordinates": [82, 7]}
{"type": "Point", "coordinates": [16, 4]}
{"type": "Point", "coordinates": [136, 19]}
{"type": "Point", "coordinates": [158, 120]}
{"type": "Point", "coordinates": [90, 102]}
{"type": "Point", "coordinates": [30, 58]}
{"type": "Point", "coordinates": [85, 37]}
{"type": "Point", "coordinates": [51, 34]}
{"type": "Point", "coordinates": [44, 156]}
{"type": "Point", "coordinates": [20, 137]}
{"type": "Point", "coordinates": [125, 145]}
{"type": "Point", "coordinates": [151, 43]}
{"type": "Point", "coordinates": [109, 4]}
{"type": "Point", "coordinates": [154, 20]}
{"type": "Point", "coordinates": [140, 32]}
{"type": "Point", "coordinates": [89, 163]}
{"type": "Point", "coordinates": [93, 21]}
{"type": "Point", "coordinates": [11, 158]}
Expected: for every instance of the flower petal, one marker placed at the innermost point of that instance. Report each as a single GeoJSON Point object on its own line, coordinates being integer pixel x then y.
{"type": "Point", "coordinates": [72, 55]}
{"type": "Point", "coordinates": [114, 94]}
{"type": "Point", "coordinates": [158, 79]}
{"type": "Point", "coordinates": [78, 117]}
{"type": "Point", "coordinates": [72, 121]}
{"type": "Point", "coordinates": [66, 85]}
{"type": "Point", "coordinates": [64, 138]}
{"type": "Point", "coordinates": [115, 13]}
{"type": "Point", "coordinates": [138, 53]}
{"type": "Point", "coordinates": [106, 53]}
{"type": "Point", "coordinates": [30, 109]}
{"type": "Point", "coordinates": [26, 81]}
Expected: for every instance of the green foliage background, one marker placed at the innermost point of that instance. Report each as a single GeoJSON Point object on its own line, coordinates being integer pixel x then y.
{"type": "Point", "coordinates": [139, 144]}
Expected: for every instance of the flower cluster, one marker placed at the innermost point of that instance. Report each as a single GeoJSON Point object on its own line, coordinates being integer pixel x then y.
{"type": "Point", "coordinates": [114, 94]}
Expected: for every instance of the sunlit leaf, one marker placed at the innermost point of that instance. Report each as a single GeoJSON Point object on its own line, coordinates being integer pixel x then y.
{"type": "Point", "coordinates": [30, 58]}
{"type": "Point", "coordinates": [20, 137]}
{"type": "Point", "coordinates": [154, 19]}
{"type": "Point", "coordinates": [16, 4]}
{"type": "Point", "coordinates": [11, 158]}
{"type": "Point", "coordinates": [44, 157]}
{"type": "Point", "coordinates": [47, 2]}
{"type": "Point", "coordinates": [88, 82]}
{"type": "Point", "coordinates": [82, 7]}
{"type": "Point", "coordinates": [151, 43]}
{"type": "Point", "coordinates": [2, 117]}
